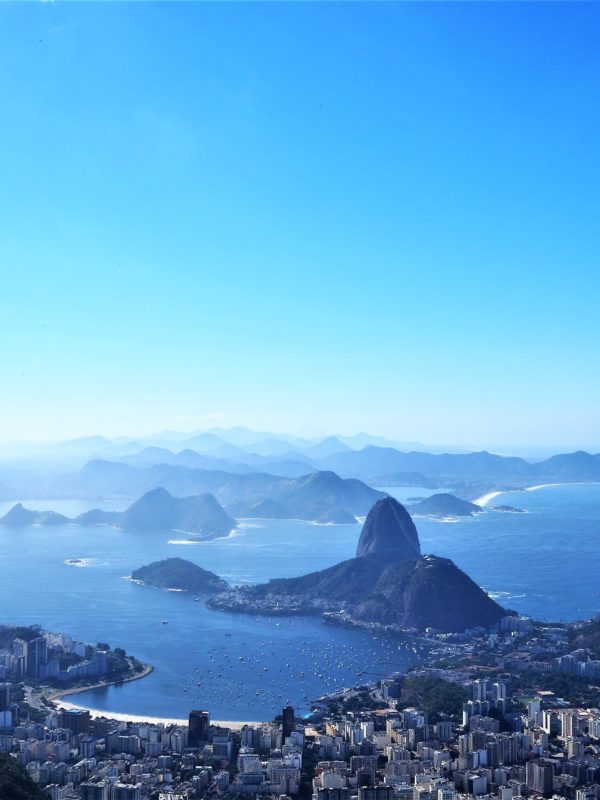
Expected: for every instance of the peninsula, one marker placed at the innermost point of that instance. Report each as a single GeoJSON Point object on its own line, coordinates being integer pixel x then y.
{"type": "Point", "coordinates": [388, 583]}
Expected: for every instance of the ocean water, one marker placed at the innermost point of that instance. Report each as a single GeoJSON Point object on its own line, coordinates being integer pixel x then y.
{"type": "Point", "coordinates": [544, 562]}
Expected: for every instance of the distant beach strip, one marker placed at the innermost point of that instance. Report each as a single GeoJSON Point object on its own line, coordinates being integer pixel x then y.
{"type": "Point", "coordinates": [485, 499]}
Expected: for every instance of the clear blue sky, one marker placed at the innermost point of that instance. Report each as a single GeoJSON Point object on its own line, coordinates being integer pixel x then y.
{"type": "Point", "coordinates": [302, 217]}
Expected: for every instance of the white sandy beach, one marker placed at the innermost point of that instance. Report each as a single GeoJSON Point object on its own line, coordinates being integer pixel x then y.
{"type": "Point", "coordinates": [541, 486]}
{"type": "Point", "coordinates": [485, 498]}
{"type": "Point", "coordinates": [96, 713]}
{"type": "Point", "coordinates": [60, 701]}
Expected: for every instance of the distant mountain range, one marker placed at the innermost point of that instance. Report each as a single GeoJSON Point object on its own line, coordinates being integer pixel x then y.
{"type": "Point", "coordinates": [279, 454]}
{"type": "Point", "coordinates": [389, 582]}
{"type": "Point", "coordinates": [157, 510]}
{"type": "Point", "coordinates": [55, 470]}
{"type": "Point", "coordinates": [319, 496]}
{"type": "Point", "coordinates": [376, 464]}
{"type": "Point", "coordinates": [182, 472]}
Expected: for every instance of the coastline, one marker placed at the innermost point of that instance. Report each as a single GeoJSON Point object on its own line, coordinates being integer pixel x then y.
{"type": "Point", "coordinates": [484, 500]}
{"type": "Point", "coordinates": [546, 486]}
{"type": "Point", "coordinates": [58, 697]}
{"type": "Point", "coordinates": [119, 716]}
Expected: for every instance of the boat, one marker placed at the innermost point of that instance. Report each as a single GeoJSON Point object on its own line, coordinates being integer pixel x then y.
{"type": "Point", "coordinates": [164, 622]}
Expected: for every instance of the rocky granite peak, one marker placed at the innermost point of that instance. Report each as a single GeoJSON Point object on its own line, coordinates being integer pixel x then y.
{"type": "Point", "coordinates": [390, 531]}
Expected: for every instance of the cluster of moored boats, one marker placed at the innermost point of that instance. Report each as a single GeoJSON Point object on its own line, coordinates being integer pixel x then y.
{"type": "Point", "coordinates": [229, 673]}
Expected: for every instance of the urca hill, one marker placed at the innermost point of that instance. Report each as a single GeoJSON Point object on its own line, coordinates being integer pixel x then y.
{"type": "Point", "coordinates": [389, 582]}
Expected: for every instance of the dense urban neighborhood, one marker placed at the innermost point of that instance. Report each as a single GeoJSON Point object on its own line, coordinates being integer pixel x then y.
{"type": "Point", "coordinates": [507, 712]}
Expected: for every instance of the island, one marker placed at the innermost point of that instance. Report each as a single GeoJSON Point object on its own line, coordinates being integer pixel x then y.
{"type": "Point", "coordinates": [444, 505]}
{"type": "Point", "coordinates": [180, 574]}
{"type": "Point", "coordinates": [159, 510]}
{"type": "Point", "coordinates": [156, 510]}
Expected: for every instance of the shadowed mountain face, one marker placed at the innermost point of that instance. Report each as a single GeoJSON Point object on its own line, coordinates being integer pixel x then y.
{"type": "Point", "coordinates": [389, 530]}
{"type": "Point", "coordinates": [388, 583]}
{"type": "Point", "coordinates": [429, 592]}
{"type": "Point", "coordinates": [425, 592]}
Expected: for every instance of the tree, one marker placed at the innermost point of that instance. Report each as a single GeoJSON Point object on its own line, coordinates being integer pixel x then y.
{"type": "Point", "coordinates": [15, 783]}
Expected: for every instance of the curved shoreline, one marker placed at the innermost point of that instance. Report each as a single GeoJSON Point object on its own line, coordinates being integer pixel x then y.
{"type": "Point", "coordinates": [485, 498]}
{"type": "Point", "coordinates": [491, 495]}
{"type": "Point", "coordinates": [58, 696]}
{"type": "Point", "coordinates": [120, 716]}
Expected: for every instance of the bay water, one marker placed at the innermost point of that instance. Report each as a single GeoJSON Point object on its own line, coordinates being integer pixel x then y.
{"type": "Point", "coordinates": [544, 562]}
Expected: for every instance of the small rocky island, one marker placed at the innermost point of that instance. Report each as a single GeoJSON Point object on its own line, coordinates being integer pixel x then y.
{"type": "Point", "coordinates": [388, 583]}
{"type": "Point", "coordinates": [180, 574]}
{"type": "Point", "coordinates": [444, 505]}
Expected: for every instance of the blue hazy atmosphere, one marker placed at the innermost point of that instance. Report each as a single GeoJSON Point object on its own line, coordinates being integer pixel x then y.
{"type": "Point", "coordinates": [544, 563]}
{"type": "Point", "coordinates": [302, 217]}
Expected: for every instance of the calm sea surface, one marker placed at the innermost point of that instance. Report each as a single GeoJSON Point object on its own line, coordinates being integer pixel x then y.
{"type": "Point", "coordinates": [545, 562]}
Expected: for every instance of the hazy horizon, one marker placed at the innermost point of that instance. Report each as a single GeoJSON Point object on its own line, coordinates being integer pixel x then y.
{"type": "Point", "coordinates": [175, 439]}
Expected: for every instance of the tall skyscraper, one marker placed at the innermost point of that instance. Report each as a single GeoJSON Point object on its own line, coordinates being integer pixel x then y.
{"type": "Point", "coordinates": [199, 727]}
{"type": "Point", "coordinates": [4, 696]}
{"type": "Point", "coordinates": [94, 791]}
{"type": "Point", "coordinates": [539, 776]}
{"type": "Point", "coordinates": [37, 655]}
{"type": "Point", "coordinates": [499, 691]}
{"type": "Point", "coordinates": [480, 689]}
{"type": "Point", "coordinates": [287, 724]}
{"type": "Point", "coordinates": [76, 720]}
{"type": "Point", "coordinates": [20, 653]}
